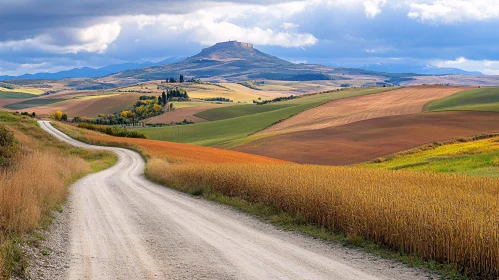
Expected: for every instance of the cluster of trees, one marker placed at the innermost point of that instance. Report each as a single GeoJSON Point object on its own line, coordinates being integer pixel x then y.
{"type": "Point", "coordinates": [184, 122]}
{"type": "Point", "coordinates": [60, 116]}
{"type": "Point", "coordinates": [33, 115]}
{"type": "Point", "coordinates": [278, 99]}
{"type": "Point", "coordinates": [220, 99]}
{"type": "Point", "coordinates": [176, 94]}
{"type": "Point", "coordinates": [113, 130]}
{"type": "Point", "coordinates": [172, 80]}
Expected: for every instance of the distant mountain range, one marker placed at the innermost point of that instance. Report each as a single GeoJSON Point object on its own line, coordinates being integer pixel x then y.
{"type": "Point", "coordinates": [236, 61]}
{"type": "Point", "coordinates": [87, 72]}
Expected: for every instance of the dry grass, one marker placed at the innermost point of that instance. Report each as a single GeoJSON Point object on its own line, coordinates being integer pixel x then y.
{"type": "Point", "coordinates": [35, 186]}
{"type": "Point", "coordinates": [447, 218]}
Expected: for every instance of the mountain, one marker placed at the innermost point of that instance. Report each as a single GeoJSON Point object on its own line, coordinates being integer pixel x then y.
{"type": "Point", "coordinates": [231, 61]}
{"type": "Point", "coordinates": [87, 72]}
{"type": "Point", "coordinates": [417, 69]}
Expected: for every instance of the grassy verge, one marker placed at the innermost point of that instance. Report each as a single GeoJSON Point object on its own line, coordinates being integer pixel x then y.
{"type": "Point", "coordinates": [34, 183]}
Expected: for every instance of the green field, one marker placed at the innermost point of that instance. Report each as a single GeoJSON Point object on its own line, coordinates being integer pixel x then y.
{"type": "Point", "coordinates": [228, 132]}
{"type": "Point", "coordinates": [479, 99]}
{"type": "Point", "coordinates": [31, 103]}
{"type": "Point", "coordinates": [235, 111]}
{"type": "Point", "coordinates": [477, 158]}
{"type": "Point", "coordinates": [14, 95]}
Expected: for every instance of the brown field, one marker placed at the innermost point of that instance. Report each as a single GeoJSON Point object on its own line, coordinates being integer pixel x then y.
{"type": "Point", "coordinates": [89, 106]}
{"type": "Point", "coordinates": [369, 139]}
{"type": "Point", "coordinates": [181, 114]}
{"type": "Point", "coordinates": [344, 111]}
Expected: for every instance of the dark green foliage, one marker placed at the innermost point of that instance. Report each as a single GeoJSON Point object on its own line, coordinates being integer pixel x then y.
{"type": "Point", "coordinates": [64, 117]}
{"type": "Point", "coordinates": [181, 79]}
{"type": "Point", "coordinates": [113, 130]}
{"type": "Point", "coordinates": [278, 99]}
{"type": "Point", "coordinates": [164, 98]}
{"type": "Point", "coordinates": [176, 94]}
{"type": "Point", "coordinates": [220, 99]}
{"type": "Point", "coordinates": [9, 148]}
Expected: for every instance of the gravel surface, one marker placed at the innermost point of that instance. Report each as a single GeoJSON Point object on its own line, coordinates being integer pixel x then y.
{"type": "Point", "coordinates": [118, 225]}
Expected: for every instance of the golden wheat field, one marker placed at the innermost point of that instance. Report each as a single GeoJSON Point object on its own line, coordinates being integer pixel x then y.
{"type": "Point", "coordinates": [447, 218]}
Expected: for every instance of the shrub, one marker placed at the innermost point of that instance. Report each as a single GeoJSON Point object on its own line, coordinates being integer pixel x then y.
{"type": "Point", "coordinates": [9, 148]}
{"type": "Point", "coordinates": [112, 130]}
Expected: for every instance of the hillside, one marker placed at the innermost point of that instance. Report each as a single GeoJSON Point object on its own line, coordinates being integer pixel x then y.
{"type": "Point", "coordinates": [235, 61]}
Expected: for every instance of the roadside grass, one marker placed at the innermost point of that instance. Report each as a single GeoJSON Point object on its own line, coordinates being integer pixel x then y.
{"type": "Point", "coordinates": [35, 185]}
{"type": "Point", "coordinates": [229, 132]}
{"type": "Point", "coordinates": [467, 156]}
{"type": "Point", "coordinates": [15, 95]}
{"type": "Point", "coordinates": [479, 99]}
{"type": "Point", "coordinates": [35, 102]}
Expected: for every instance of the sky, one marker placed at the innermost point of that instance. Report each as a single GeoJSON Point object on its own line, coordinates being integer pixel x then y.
{"type": "Point", "coordinates": [53, 35]}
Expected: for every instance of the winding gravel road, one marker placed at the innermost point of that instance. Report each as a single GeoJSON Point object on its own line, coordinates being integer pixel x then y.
{"type": "Point", "coordinates": [122, 226]}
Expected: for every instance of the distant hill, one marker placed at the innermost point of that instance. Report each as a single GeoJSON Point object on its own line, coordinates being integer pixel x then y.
{"type": "Point", "coordinates": [87, 72]}
{"type": "Point", "coordinates": [233, 61]}
{"type": "Point", "coordinates": [417, 69]}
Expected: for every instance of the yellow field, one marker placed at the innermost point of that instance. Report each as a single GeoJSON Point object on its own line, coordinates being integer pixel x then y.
{"type": "Point", "coordinates": [447, 218]}
{"type": "Point", "coordinates": [33, 91]}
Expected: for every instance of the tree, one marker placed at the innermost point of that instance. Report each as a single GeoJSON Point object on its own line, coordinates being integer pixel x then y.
{"type": "Point", "coordinates": [157, 108]}
{"type": "Point", "coordinates": [181, 79]}
{"type": "Point", "coordinates": [160, 100]}
{"type": "Point", "coordinates": [58, 115]}
{"type": "Point", "coordinates": [33, 115]}
{"type": "Point", "coordinates": [165, 98]}
{"type": "Point", "coordinates": [172, 80]}
{"type": "Point", "coordinates": [171, 106]}
{"type": "Point", "coordinates": [64, 117]}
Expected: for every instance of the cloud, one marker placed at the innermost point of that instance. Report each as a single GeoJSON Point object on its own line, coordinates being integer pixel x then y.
{"type": "Point", "coordinates": [96, 38]}
{"type": "Point", "coordinates": [452, 11]}
{"type": "Point", "coordinates": [372, 8]}
{"type": "Point", "coordinates": [488, 67]}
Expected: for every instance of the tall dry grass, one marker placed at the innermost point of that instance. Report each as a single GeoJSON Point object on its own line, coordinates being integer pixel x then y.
{"type": "Point", "coordinates": [30, 189]}
{"type": "Point", "coordinates": [448, 218]}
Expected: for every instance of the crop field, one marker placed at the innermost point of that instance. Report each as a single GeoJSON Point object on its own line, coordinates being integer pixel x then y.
{"type": "Point", "coordinates": [369, 139]}
{"type": "Point", "coordinates": [397, 102]}
{"type": "Point", "coordinates": [476, 157]}
{"type": "Point", "coordinates": [33, 91]}
{"type": "Point", "coordinates": [479, 99]}
{"type": "Point", "coordinates": [216, 114]}
{"type": "Point", "coordinates": [447, 218]}
{"type": "Point", "coordinates": [186, 113]}
{"type": "Point", "coordinates": [14, 95]}
{"type": "Point", "coordinates": [234, 131]}
{"type": "Point", "coordinates": [173, 152]}
{"type": "Point", "coordinates": [30, 103]}
{"type": "Point", "coordinates": [91, 106]}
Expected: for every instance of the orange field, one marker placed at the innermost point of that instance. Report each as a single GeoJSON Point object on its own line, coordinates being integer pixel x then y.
{"type": "Point", "coordinates": [403, 101]}
{"type": "Point", "coordinates": [173, 152]}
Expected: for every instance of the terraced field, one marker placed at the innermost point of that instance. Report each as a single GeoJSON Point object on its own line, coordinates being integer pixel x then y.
{"type": "Point", "coordinates": [478, 99]}
{"type": "Point", "coordinates": [398, 102]}
{"type": "Point", "coordinates": [366, 140]}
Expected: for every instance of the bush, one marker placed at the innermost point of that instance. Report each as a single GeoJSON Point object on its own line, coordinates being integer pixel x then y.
{"type": "Point", "coordinates": [9, 148]}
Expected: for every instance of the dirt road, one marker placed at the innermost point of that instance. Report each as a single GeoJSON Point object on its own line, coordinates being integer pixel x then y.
{"type": "Point", "coordinates": [124, 227]}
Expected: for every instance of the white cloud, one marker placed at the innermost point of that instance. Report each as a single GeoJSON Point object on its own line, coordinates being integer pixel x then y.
{"type": "Point", "coordinates": [488, 67]}
{"type": "Point", "coordinates": [261, 25]}
{"type": "Point", "coordinates": [451, 11]}
{"type": "Point", "coordinates": [95, 38]}
{"type": "Point", "coordinates": [372, 8]}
